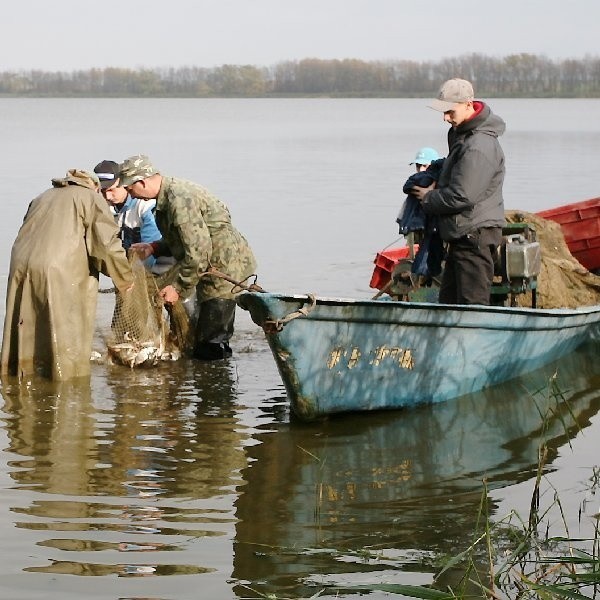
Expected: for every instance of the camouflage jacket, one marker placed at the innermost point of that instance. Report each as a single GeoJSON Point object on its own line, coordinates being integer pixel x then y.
{"type": "Point", "coordinates": [197, 230]}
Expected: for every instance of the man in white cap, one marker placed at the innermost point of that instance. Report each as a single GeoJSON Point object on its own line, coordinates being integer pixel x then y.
{"type": "Point", "coordinates": [468, 195]}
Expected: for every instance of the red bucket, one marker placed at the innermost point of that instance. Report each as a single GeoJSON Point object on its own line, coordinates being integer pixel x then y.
{"type": "Point", "coordinates": [385, 261]}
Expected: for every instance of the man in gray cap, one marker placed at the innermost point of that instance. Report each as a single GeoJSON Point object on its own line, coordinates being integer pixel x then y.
{"type": "Point", "coordinates": [468, 196]}
{"type": "Point", "coordinates": [197, 231]}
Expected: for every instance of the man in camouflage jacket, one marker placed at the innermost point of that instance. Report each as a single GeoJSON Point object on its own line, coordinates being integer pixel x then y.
{"type": "Point", "coordinates": [197, 231]}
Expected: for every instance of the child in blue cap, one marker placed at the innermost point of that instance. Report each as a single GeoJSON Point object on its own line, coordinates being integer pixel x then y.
{"type": "Point", "coordinates": [423, 158]}
{"type": "Point", "coordinates": [412, 219]}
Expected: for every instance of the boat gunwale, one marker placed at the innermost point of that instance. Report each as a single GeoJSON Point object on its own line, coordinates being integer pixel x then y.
{"type": "Point", "coordinates": [436, 307]}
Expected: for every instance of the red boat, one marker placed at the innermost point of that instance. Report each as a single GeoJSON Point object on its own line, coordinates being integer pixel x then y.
{"type": "Point", "coordinates": [580, 223]}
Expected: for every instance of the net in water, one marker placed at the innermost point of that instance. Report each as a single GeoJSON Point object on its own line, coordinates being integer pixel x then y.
{"type": "Point", "coordinates": [144, 331]}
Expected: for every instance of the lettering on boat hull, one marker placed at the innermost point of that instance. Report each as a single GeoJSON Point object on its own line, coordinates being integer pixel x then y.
{"type": "Point", "coordinates": [352, 356]}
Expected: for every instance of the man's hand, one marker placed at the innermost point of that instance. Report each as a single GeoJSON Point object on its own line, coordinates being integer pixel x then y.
{"type": "Point", "coordinates": [142, 249]}
{"type": "Point", "coordinates": [419, 192]}
{"type": "Point", "coordinates": [169, 294]}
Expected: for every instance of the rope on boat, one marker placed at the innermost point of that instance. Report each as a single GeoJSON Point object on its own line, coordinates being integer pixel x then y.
{"type": "Point", "coordinates": [238, 286]}
{"type": "Point", "coordinates": [274, 326]}
{"type": "Point", "coordinates": [270, 325]}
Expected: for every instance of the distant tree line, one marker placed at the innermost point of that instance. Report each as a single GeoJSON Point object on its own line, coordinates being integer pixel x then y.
{"type": "Point", "coordinates": [517, 75]}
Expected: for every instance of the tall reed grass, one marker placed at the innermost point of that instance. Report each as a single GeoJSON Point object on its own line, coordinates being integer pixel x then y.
{"type": "Point", "coordinates": [516, 558]}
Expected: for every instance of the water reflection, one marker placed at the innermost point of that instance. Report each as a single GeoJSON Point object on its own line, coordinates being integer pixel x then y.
{"type": "Point", "coordinates": [135, 467]}
{"type": "Point", "coordinates": [139, 475]}
{"type": "Point", "coordinates": [371, 498]}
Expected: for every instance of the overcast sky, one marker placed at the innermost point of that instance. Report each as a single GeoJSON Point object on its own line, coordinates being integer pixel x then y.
{"type": "Point", "coordinates": [77, 34]}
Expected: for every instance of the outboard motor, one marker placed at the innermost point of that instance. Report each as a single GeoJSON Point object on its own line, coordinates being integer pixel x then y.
{"type": "Point", "coordinates": [519, 264]}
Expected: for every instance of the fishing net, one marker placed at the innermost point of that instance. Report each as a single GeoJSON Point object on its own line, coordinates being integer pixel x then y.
{"type": "Point", "coordinates": [144, 331]}
{"type": "Point", "coordinates": [563, 282]}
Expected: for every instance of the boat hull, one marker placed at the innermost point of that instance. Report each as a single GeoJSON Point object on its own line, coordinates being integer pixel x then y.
{"type": "Point", "coordinates": [353, 355]}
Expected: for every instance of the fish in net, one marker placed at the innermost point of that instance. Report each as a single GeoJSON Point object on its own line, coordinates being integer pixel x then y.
{"type": "Point", "coordinates": [144, 330]}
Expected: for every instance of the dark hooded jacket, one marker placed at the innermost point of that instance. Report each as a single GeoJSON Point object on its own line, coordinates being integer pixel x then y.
{"type": "Point", "coordinates": [428, 260]}
{"type": "Point", "coordinates": [468, 195]}
{"type": "Point", "coordinates": [412, 217]}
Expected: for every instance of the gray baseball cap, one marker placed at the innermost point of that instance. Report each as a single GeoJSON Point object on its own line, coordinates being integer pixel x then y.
{"type": "Point", "coordinates": [454, 91]}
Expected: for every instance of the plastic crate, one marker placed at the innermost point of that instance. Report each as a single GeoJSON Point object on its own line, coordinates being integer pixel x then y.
{"type": "Point", "coordinates": [580, 223]}
{"type": "Point", "coordinates": [385, 261]}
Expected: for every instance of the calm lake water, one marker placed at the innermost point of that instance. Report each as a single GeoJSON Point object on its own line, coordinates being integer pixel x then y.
{"type": "Point", "coordinates": [191, 479]}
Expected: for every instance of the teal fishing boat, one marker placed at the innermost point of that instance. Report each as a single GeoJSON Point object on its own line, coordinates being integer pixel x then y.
{"type": "Point", "coordinates": [337, 355]}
